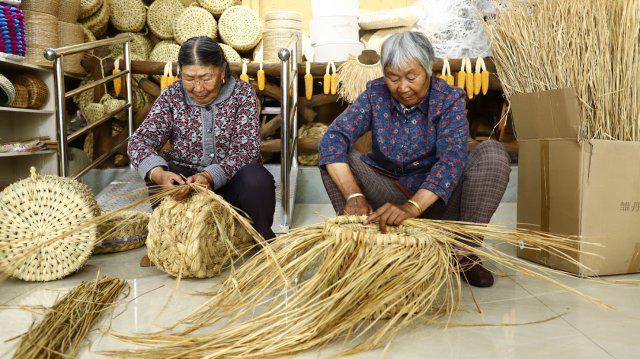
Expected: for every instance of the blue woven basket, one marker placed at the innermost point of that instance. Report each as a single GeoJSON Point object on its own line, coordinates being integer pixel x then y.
{"type": "Point", "coordinates": [12, 34]}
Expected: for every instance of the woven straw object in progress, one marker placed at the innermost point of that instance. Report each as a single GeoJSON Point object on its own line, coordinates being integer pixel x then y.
{"type": "Point", "coordinates": [89, 7]}
{"type": "Point", "coordinates": [33, 213]}
{"type": "Point", "coordinates": [194, 21]}
{"type": "Point", "coordinates": [99, 21]}
{"type": "Point", "coordinates": [314, 130]}
{"type": "Point", "coordinates": [38, 91]}
{"type": "Point", "coordinates": [71, 34]}
{"type": "Point", "coordinates": [195, 237]}
{"type": "Point", "coordinates": [128, 15]}
{"type": "Point", "coordinates": [240, 27]}
{"type": "Point", "coordinates": [217, 7]}
{"type": "Point", "coordinates": [69, 11]}
{"type": "Point", "coordinates": [41, 32]}
{"type": "Point", "coordinates": [159, 17]}
{"type": "Point", "coordinates": [50, 7]}
{"type": "Point", "coordinates": [125, 231]}
{"type": "Point", "coordinates": [7, 91]}
{"type": "Point", "coordinates": [229, 53]}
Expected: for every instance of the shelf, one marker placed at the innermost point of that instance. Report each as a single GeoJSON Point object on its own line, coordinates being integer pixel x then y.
{"type": "Point", "coordinates": [25, 110]}
{"type": "Point", "coordinates": [4, 62]}
{"type": "Point", "coordinates": [16, 154]}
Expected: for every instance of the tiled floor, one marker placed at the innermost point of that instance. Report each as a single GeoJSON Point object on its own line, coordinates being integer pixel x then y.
{"type": "Point", "coordinates": [583, 330]}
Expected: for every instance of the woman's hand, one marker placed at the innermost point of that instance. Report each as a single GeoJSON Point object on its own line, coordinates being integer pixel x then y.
{"type": "Point", "coordinates": [202, 178]}
{"type": "Point", "coordinates": [357, 206]}
{"type": "Point", "coordinates": [392, 215]}
{"type": "Point", "coordinates": [168, 179]}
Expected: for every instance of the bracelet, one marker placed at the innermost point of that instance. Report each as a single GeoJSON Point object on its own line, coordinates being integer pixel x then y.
{"type": "Point", "coordinates": [355, 195]}
{"type": "Point", "coordinates": [152, 170]}
{"type": "Point", "coordinates": [415, 204]}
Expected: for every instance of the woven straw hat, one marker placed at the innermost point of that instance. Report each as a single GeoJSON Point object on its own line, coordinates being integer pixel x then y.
{"type": "Point", "coordinates": [118, 237]}
{"type": "Point", "coordinates": [314, 130]}
{"type": "Point", "coordinates": [98, 22]}
{"type": "Point", "coordinates": [240, 27]}
{"type": "Point", "coordinates": [159, 12]}
{"type": "Point", "coordinates": [217, 7]}
{"type": "Point", "coordinates": [230, 54]}
{"type": "Point", "coordinates": [89, 7]}
{"type": "Point", "coordinates": [39, 208]}
{"type": "Point", "coordinates": [7, 91]}
{"type": "Point", "coordinates": [128, 15]}
{"type": "Point", "coordinates": [194, 21]}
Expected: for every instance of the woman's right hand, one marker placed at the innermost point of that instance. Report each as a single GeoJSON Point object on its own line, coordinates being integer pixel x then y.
{"type": "Point", "coordinates": [357, 206]}
{"type": "Point", "coordinates": [168, 179]}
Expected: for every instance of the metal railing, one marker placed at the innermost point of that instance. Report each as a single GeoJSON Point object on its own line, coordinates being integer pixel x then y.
{"type": "Point", "coordinates": [57, 56]}
{"type": "Point", "coordinates": [289, 131]}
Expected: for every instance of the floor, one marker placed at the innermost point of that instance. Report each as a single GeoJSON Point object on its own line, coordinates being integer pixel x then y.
{"type": "Point", "coordinates": [505, 324]}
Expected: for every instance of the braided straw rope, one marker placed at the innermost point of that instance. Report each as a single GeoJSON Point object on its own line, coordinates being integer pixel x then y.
{"type": "Point", "coordinates": [41, 32]}
{"type": "Point", "coordinates": [194, 21]}
{"type": "Point", "coordinates": [49, 7]}
{"type": "Point", "coordinates": [128, 15]}
{"type": "Point", "coordinates": [99, 21]}
{"type": "Point", "coordinates": [217, 7]}
{"type": "Point", "coordinates": [314, 130]}
{"type": "Point", "coordinates": [125, 231]}
{"type": "Point", "coordinates": [240, 27]}
{"type": "Point", "coordinates": [159, 13]}
{"type": "Point", "coordinates": [69, 11]}
{"type": "Point", "coordinates": [38, 209]}
{"type": "Point", "coordinates": [89, 7]}
{"type": "Point", "coordinates": [229, 53]}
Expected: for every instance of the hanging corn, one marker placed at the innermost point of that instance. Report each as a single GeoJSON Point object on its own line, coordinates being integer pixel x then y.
{"type": "Point", "coordinates": [449, 77]}
{"type": "Point", "coordinates": [244, 77]}
{"type": "Point", "coordinates": [308, 82]}
{"type": "Point", "coordinates": [334, 79]}
{"type": "Point", "coordinates": [469, 78]}
{"type": "Point", "coordinates": [443, 73]}
{"type": "Point", "coordinates": [117, 83]}
{"type": "Point", "coordinates": [262, 81]}
{"type": "Point", "coordinates": [484, 78]}
{"type": "Point", "coordinates": [477, 77]}
{"type": "Point", "coordinates": [327, 80]}
{"type": "Point", "coordinates": [461, 75]}
{"type": "Point", "coordinates": [165, 78]}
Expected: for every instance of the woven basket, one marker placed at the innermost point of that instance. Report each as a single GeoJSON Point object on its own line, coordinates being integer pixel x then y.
{"type": "Point", "coordinates": [157, 16]}
{"type": "Point", "coordinates": [12, 32]}
{"type": "Point", "coordinates": [39, 209]}
{"type": "Point", "coordinates": [50, 7]}
{"type": "Point", "coordinates": [283, 25]}
{"type": "Point", "coordinates": [314, 130]}
{"type": "Point", "coordinates": [140, 47]}
{"type": "Point", "coordinates": [194, 21]}
{"type": "Point", "coordinates": [274, 40]}
{"type": "Point", "coordinates": [217, 7]}
{"type": "Point", "coordinates": [42, 32]}
{"type": "Point", "coordinates": [111, 104]}
{"type": "Point", "coordinates": [128, 15]}
{"type": "Point", "coordinates": [71, 34]}
{"type": "Point", "coordinates": [283, 15]}
{"type": "Point", "coordinates": [89, 7]}
{"type": "Point", "coordinates": [140, 98]}
{"type": "Point", "coordinates": [36, 88]}
{"type": "Point", "coordinates": [69, 11]}
{"type": "Point", "coordinates": [99, 21]}
{"type": "Point", "coordinates": [165, 51]}
{"type": "Point", "coordinates": [124, 232]}
{"type": "Point", "coordinates": [21, 97]}
{"type": "Point", "coordinates": [230, 54]}
{"type": "Point", "coordinates": [240, 27]}
{"type": "Point", "coordinates": [7, 91]}
{"type": "Point", "coordinates": [383, 19]}
{"type": "Point", "coordinates": [92, 112]}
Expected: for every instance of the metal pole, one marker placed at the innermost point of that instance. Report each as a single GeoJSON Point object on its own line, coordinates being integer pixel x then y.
{"type": "Point", "coordinates": [284, 56]}
{"type": "Point", "coordinates": [127, 67]}
{"type": "Point", "coordinates": [63, 159]}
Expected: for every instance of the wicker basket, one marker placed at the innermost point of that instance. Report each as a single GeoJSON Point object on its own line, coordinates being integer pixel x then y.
{"type": "Point", "coordinates": [157, 16]}
{"type": "Point", "coordinates": [240, 27]}
{"type": "Point", "coordinates": [21, 97]}
{"type": "Point", "coordinates": [140, 47]}
{"type": "Point", "coordinates": [230, 54]}
{"type": "Point", "coordinates": [314, 130]}
{"type": "Point", "coordinates": [12, 32]}
{"type": "Point", "coordinates": [274, 40]}
{"type": "Point", "coordinates": [283, 25]}
{"type": "Point", "coordinates": [41, 208]}
{"type": "Point", "coordinates": [283, 15]}
{"type": "Point", "coordinates": [99, 21]}
{"type": "Point", "coordinates": [71, 34]}
{"type": "Point", "coordinates": [92, 112]}
{"type": "Point", "coordinates": [37, 90]}
{"type": "Point", "coordinates": [69, 11]}
{"type": "Point", "coordinates": [124, 232]}
{"type": "Point", "coordinates": [50, 7]}
{"type": "Point", "coordinates": [217, 7]}
{"type": "Point", "coordinates": [7, 91]}
{"type": "Point", "coordinates": [89, 7]}
{"type": "Point", "coordinates": [128, 15]}
{"type": "Point", "coordinates": [194, 21]}
{"type": "Point", "coordinates": [42, 32]}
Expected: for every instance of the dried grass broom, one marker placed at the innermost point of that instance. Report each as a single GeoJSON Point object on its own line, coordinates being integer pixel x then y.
{"type": "Point", "coordinates": [348, 278]}
{"type": "Point", "coordinates": [356, 72]}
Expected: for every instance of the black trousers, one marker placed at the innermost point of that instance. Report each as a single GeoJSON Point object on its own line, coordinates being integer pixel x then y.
{"type": "Point", "coordinates": [252, 189]}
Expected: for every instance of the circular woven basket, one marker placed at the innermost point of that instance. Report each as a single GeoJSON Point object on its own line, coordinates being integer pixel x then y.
{"type": "Point", "coordinates": [164, 51]}
{"type": "Point", "coordinates": [194, 21]}
{"type": "Point", "coordinates": [71, 34]}
{"type": "Point", "coordinates": [111, 104]}
{"type": "Point", "coordinates": [283, 25]}
{"type": "Point", "coordinates": [315, 131]}
{"type": "Point", "coordinates": [128, 15]}
{"type": "Point", "coordinates": [229, 53]}
{"type": "Point", "coordinates": [7, 91]}
{"type": "Point", "coordinates": [274, 40]}
{"type": "Point", "coordinates": [38, 209]}
{"type": "Point", "coordinates": [283, 15]}
{"type": "Point", "coordinates": [69, 11]}
{"type": "Point", "coordinates": [50, 7]}
{"type": "Point", "coordinates": [188, 238]}
{"type": "Point", "coordinates": [89, 7]}
{"type": "Point", "coordinates": [157, 16]}
{"type": "Point", "coordinates": [140, 47]}
{"type": "Point", "coordinates": [21, 97]}
{"type": "Point", "coordinates": [240, 27]}
{"type": "Point", "coordinates": [42, 32]}
{"type": "Point", "coordinates": [37, 90]}
{"type": "Point", "coordinates": [99, 21]}
{"type": "Point", "coordinates": [125, 231]}
{"type": "Point", "coordinates": [217, 7]}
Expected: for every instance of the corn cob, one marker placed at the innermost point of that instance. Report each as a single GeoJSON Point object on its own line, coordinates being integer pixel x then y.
{"type": "Point", "coordinates": [484, 78]}
{"type": "Point", "coordinates": [262, 81]}
{"type": "Point", "coordinates": [308, 82]}
{"type": "Point", "coordinates": [117, 83]}
{"type": "Point", "coordinates": [461, 75]}
{"type": "Point", "coordinates": [244, 77]}
{"type": "Point", "coordinates": [327, 80]}
{"type": "Point", "coordinates": [334, 79]}
{"type": "Point", "coordinates": [477, 77]}
{"type": "Point", "coordinates": [469, 79]}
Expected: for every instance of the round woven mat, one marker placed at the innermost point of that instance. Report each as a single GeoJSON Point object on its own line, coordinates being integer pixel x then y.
{"type": "Point", "coordinates": [36, 210]}
{"type": "Point", "coordinates": [157, 16]}
{"type": "Point", "coordinates": [217, 7]}
{"type": "Point", "coordinates": [89, 7]}
{"type": "Point", "coordinates": [99, 21]}
{"type": "Point", "coordinates": [128, 15]}
{"type": "Point", "coordinates": [240, 27]}
{"type": "Point", "coordinates": [314, 130]}
{"type": "Point", "coordinates": [165, 51]}
{"type": "Point", "coordinates": [140, 47]}
{"type": "Point", "coordinates": [229, 53]}
{"type": "Point", "coordinates": [194, 21]}
{"type": "Point", "coordinates": [126, 231]}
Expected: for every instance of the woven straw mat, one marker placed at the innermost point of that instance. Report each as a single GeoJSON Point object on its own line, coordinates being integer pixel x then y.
{"type": "Point", "coordinates": [126, 231]}
{"type": "Point", "coordinates": [128, 15]}
{"type": "Point", "coordinates": [229, 53]}
{"type": "Point", "coordinates": [99, 21]}
{"type": "Point", "coordinates": [217, 7]}
{"type": "Point", "coordinates": [37, 209]}
{"type": "Point", "coordinates": [159, 15]}
{"type": "Point", "coordinates": [194, 21]}
{"type": "Point", "coordinates": [89, 7]}
{"type": "Point", "coordinates": [314, 130]}
{"type": "Point", "coordinates": [140, 47]}
{"type": "Point", "coordinates": [50, 7]}
{"type": "Point", "coordinates": [69, 11]}
{"type": "Point", "coordinates": [240, 27]}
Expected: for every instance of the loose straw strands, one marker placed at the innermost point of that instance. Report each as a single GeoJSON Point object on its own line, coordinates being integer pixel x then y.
{"type": "Point", "coordinates": [348, 277]}
{"type": "Point", "coordinates": [591, 45]}
{"type": "Point", "coordinates": [63, 329]}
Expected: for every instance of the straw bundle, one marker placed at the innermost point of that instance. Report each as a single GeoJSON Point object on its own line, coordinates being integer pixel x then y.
{"type": "Point", "coordinates": [33, 212]}
{"type": "Point", "coordinates": [217, 7]}
{"type": "Point", "coordinates": [339, 280]}
{"type": "Point", "coordinates": [194, 21]}
{"type": "Point", "coordinates": [63, 329]}
{"type": "Point", "coordinates": [49, 7]}
{"type": "Point", "coordinates": [89, 7]}
{"type": "Point", "coordinates": [37, 90]}
{"type": "Point", "coordinates": [315, 131]}
{"type": "Point", "coordinates": [157, 16]}
{"type": "Point", "coordinates": [125, 231]}
{"type": "Point", "coordinates": [41, 32]}
{"type": "Point", "coordinates": [99, 21]}
{"type": "Point", "coordinates": [592, 46]}
{"type": "Point", "coordinates": [229, 53]}
{"type": "Point", "coordinates": [197, 236]}
{"type": "Point", "coordinates": [240, 27]}
{"type": "Point", "coordinates": [71, 34]}
{"type": "Point", "coordinates": [355, 75]}
{"type": "Point", "coordinates": [128, 15]}
{"type": "Point", "coordinates": [69, 11]}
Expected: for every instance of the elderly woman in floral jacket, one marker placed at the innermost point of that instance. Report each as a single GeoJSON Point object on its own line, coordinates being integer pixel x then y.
{"type": "Point", "coordinates": [211, 121]}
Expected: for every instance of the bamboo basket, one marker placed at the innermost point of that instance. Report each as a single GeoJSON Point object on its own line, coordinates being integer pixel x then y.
{"type": "Point", "coordinates": [50, 7]}
{"type": "Point", "coordinates": [71, 34]}
{"type": "Point", "coordinates": [34, 212]}
{"type": "Point", "coordinates": [99, 21]}
{"type": "Point", "coordinates": [69, 11]}
{"type": "Point", "coordinates": [89, 7]}
{"type": "Point", "coordinates": [314, 130]}
{"type": "Point", "coordinates": [7, 91]}
{"type": "Point", "coordinates": [274, 40]}
{"type": "Point", "coordinates": [41, 33]}
{"type": "Point", "coordinates": [229, 53]}
{"type": "Point", "coordinates": [37, 90]}
{"type": "Point", "coordinates": [125, 231]}
{"type": "Point", "coordinates": [21, 97]}
{"type": "Point", "coordinates": [159, 12]}
{"type": "Point", "coordinates": [128, 15]}
{"type": "Point", "coordinates": [240, 27]}
{"type": "Point", "coordinates": [217, 7]}
{"type": "Point", "coordinates": [194, 21]}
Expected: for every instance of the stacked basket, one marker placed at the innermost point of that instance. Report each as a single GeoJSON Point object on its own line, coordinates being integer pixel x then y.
{"type": "Point", "coordinates": [71, 33]}
{"type": "Point", "coordinates": [280, 29]}
{"type": "Point", "coordinates": [41, 28]}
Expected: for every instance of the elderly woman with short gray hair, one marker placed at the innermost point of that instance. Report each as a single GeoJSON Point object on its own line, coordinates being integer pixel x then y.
{"type": "Point", "coordinates": [419, 165]}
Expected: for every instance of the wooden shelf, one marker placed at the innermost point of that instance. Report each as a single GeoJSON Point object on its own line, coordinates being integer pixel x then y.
{"type": "Point", "coordinates": [8, 63]}
{"type": "Point", "coordinates": [25, 110]}
{"type": "Point", "coordinates": [16, 154]}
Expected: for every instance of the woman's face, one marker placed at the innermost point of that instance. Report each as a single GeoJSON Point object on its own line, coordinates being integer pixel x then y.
{"type": "Point", "coordinates": [409, 84]}
{"type": "Point", "coordinates": [202, 82]}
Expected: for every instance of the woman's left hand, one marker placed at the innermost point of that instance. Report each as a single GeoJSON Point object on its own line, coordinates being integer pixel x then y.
{"type": "Point", "coordinates": [202, 178]}
{"type": "Point", "coordinates": [392, 215]}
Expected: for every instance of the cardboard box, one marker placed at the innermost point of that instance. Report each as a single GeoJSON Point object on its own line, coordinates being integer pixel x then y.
{"type": "Point", "coordinates": [589, 189]}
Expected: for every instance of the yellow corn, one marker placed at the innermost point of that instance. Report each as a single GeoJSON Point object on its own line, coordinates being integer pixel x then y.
{"type": "Point", "coordinates": [117, 83]}
{"type": "Point", "coordinates": [327, 81]}
{"type": "Point", "coordinates": [477, 77]}
{"type": "Point", "coordinates": [334, 79]}
{"type": "Point", "coordinates": [485, 81]}
{"type": "Point", "coordinates": [244, 77]}
{"type": "Point", "coordinates": [461, 79]}
{"type": "Point", "coordinates": [262, 81]}
{"type": "Point", "coordinates": [450, 80]}
{"type": "Point", "coordinates": [308, 82]}
{"type": "Point", "coordinates": [469, 79]}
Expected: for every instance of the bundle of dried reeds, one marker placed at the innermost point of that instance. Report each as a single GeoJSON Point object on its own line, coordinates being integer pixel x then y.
{"type": "Point", "coordinates": [340, 280]}
{"type": "Point", "coordinates": [590, 45]}
{"type": "Point", "coordinates": [63, 328]}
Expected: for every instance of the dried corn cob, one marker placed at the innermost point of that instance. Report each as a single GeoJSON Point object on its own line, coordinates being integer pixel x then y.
{"type": "Point", "coordinates": [308, 82]}
{"type": "Point", "coordinates": [262, 81]}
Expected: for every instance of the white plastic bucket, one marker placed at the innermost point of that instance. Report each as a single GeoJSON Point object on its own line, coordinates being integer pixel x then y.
{"type": "Point", "coordinates": [336, 51]}
{"type": "Point", "coordinates": [326, 29]}
{"type": "Point", "coordinates": [335, 8]}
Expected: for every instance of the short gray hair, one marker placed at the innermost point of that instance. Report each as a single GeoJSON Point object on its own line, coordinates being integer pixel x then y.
{"type": "Point", "coordinates": [401, 48]}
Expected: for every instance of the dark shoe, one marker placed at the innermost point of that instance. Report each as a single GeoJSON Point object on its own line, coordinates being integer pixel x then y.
{"type": "Point", "coordinates": [472, 272]}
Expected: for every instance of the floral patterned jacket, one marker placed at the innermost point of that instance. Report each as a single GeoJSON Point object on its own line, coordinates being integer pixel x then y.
{"type": "Point", "coordinates": [219, 138]}
{"type": "Point", "coordinates": [422, 147]}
